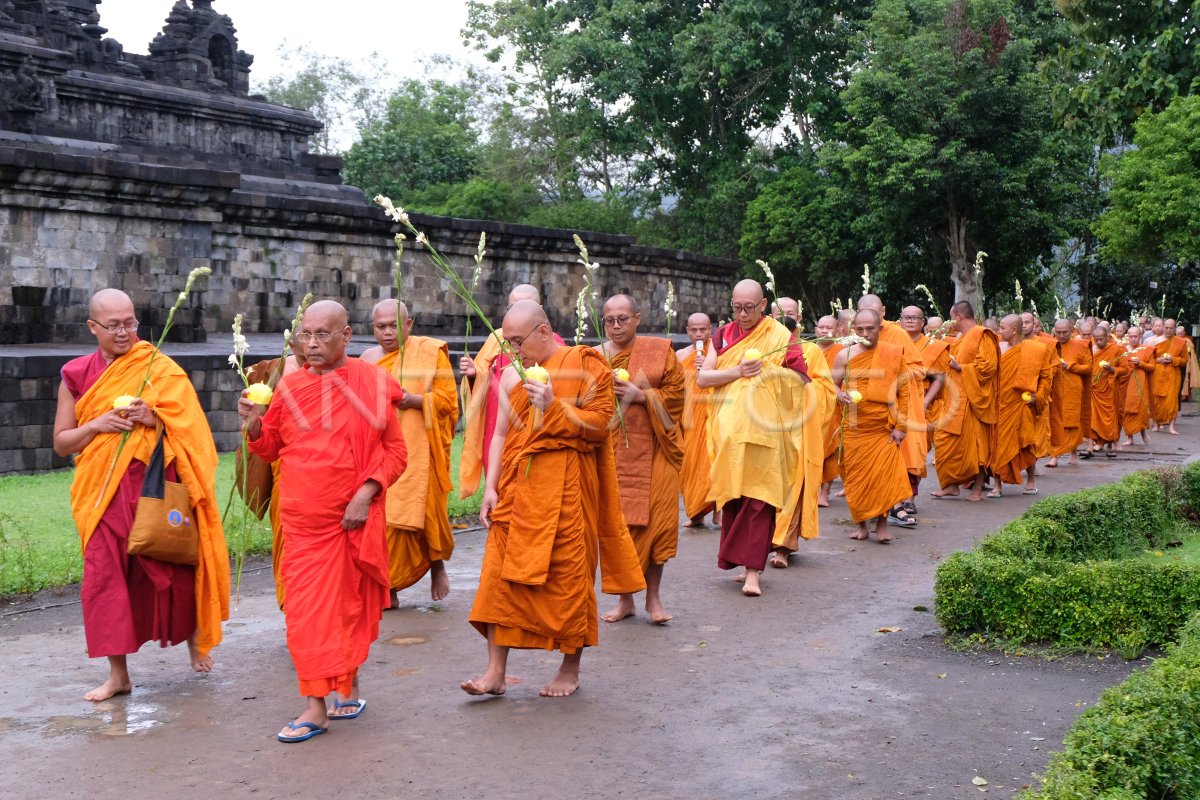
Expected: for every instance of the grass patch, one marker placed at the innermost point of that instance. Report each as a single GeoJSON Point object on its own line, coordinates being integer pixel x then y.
{"type": "Point", "coordinates": [39, 546]}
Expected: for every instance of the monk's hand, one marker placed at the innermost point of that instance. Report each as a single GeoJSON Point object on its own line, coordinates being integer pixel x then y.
{"type": "Point", "coordinates": [139, 412]}
{"type": "Point", "coordinates": [1134, 360]}
{"type": "Point", "coordinates": [954, 365]}
{"type": "Point", "coordinates": [750, 368]}
{"type": "Point", "coordinates": [490, 498]}
{"type": "Point", "coordinates": [111, 422]}
{"type": "Point", "coordinates": [251, 414]}
{"type": "Point", "coordinates": [466, 366]}
{"type": "Point", "coordinates": [845, 397]}
{"type": "Point", "coordinates": [628, 391]}
{"type": "Point", "coordinates": [698, 361]}
{"type": "Point", "coordinates": [898, 435]}
{"type": "Point", "coordinates": [541, 395]}
{"type": "Point", "coordinates": [411, 400]}
{"type": "Point", "coordinates": [359, 506]}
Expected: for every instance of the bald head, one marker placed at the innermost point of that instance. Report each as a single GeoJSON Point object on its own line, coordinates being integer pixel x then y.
{"type": "Point", "coordinates": [1027, 325]}
{"type": "Point", "coordinates": [871, 302]}
{"type": "Point", "coordinates": [109, 301]}
{"type": "Point", "coordinates": [1062, 330]}
{"type": "Point", "coordinates": [323, 335]}
{"type": "Point", "coordinates": [524, 291]}
{"type": "Point", "coordinates": [866, 325]}
{"type": "Point", "coordinates": [527, 329]}
{"type": "Point", "coordinates": [112, 320]}
{"type": "Point", "coordinates": [933, 325]}
{"type": "Point", "coordinates": [699, 328]}
{"type": "Point", "coordinates": [912, 320]}
{"type": "Point", "coordinates": [787, 307]}
{"type": "Point", "coordinates": [826, 325]}
{"type": "Point", "coordinates": [621, 319]}
{"type": "Point", "coordinates": [385, 320]}
{"type": "Point", "coordinates": [1011, 330]}
{"type": "Point", "coordinates": [748, 303]}
{"type": "Point", "coordinates": [845, 318]}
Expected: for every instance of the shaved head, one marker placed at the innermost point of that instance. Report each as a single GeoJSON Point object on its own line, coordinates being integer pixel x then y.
{"type": "Point", "coordinates": [866, 325]}
{"type": "Point", "coordinates": [912, 320]}
{"type": "Point", "coordinates": [933, 324]}
{"type": "Point", "coordinates": [109, 301]}
{"type": "Point", "coordinates": [524, 291]}
{"type": "Point", "coordinates": [871, 302]}
{"type": "Point", "coordinates": [527, 329]}
{"type": "Point", "coordinates": [699, 318]}
{"type": "Point", "coordinates": [111, 309]}
{"type": "Point", "coordinates": [624, 301]}
{"type": "Point", "coordinates": [1062, 330]}
{"type": "Point", "coordinates": [748, 303]}
{"type": "Point", "coordinates": [749, 289]}
{"type": "Point", "coordinates": [787, 308]}
{"type": "Point", "coordinates": [1011, 330]}
{"type": "Point", "coordinates": [328, 319]}
{"type": "Point", "coordinates": [621, 319]}
{"type": "Point", "coordinates": [826, 326]}
{"type": "Point", "coordinates": [384, 324]}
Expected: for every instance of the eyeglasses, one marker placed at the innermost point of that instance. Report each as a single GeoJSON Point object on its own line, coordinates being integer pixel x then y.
{"type": "Point", "coordinates": [113, 330]}
{"type": "Point", "coordinates": [740, 309]}
{"type": "Point", "coordinates": [910, 318]}
{"type": "Point", "coordinates": [610, 322]}
{"type": "Point", "coordinates": [304, 337]}
{"type": "Point", "coordinates": [517, 341]}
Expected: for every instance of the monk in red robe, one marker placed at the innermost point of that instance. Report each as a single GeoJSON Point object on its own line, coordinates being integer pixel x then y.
{"type": "Point", "coordinates": [552, 508]}
{"type": "Point", "coordinates": [693, 475]}
{"type": "Point", "coordinates": [334, 428]}
{"type": "Point", "coordinates": [130, 600]}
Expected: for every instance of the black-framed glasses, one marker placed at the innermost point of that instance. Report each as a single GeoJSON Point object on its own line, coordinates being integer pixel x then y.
{"type": "Point", "coordinates": [113, 330]}
{"type": "Point", "coordinates": [910, 318]}
{"type": "Point", "coordinates": [740, 309]}
{"type": "Point", "coordinates": [611, 321]}
{"type": "Point", "coordinates": [304, 337]}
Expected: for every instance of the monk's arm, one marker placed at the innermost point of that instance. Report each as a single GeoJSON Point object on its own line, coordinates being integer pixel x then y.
{"type": "Point", "coordinates": [442, 399]}
{"type": "Point", "coordinates": [70, 437]}
{"type": "Point", "coordinates": [667, 401]}
{"type": "Point", "coordinates": [709, 376]}
{"type": "Point", "coordinates": [1080, 365]}
{"type": "Point", "coordinates": [262, 433]}
{"type": "Point", "coordinates": [495, 453]}
{"type": "Point", "coordinates": [838, 374]}
{"type": "Point", "coordinates": [935, 387]}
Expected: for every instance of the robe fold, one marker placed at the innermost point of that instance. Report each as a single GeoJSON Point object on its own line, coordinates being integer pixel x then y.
{"type": "Point", "coordinates": [1106, 422]}
{"type": "Point", "coordinates": [873, 469]}
{"type": "Point", "coordinates": [1024, 368]}
{"type": "Point", "coordinates": [935, 360]}
{"type": "Point", "coordinates": [130, 600]}
{"type": "Point", "coordinates": [263, 372]}
{"type": "Point", "coordinates": [915, 447]}
{"type": "Point", "coordinates": [831, 467]}
{"type": "Point", "coordinates": [965, 438]}
{"type": "Point", "coordinates": [798, 519]}
{"type": "Point", "coordinates": [1165, 385]}
{"type": "Point", "coordinates": [332, 433]}
{"type": "Point", "coordinates": [1072, 409]}
{"type": "Point", "coordinates": [558, 515]}
{"type": "Point", "coordinates": [693, 474]}
{"type": "Point", "coordinates": [1045, 445]}
{"type": "Point", "coordinates": [1133, 392]}
{"type": "Point", "coordinates": [418, 522]}
{"type": "Point", "coordinates": [1190, 374]}
{"type": "Point", "coordinates": [648, 476]}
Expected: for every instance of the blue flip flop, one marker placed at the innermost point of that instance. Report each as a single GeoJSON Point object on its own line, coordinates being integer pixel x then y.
{"type": "Point", "coordinates": [360, 704]}
{"type": "Point", "coordinates": [314, 730]}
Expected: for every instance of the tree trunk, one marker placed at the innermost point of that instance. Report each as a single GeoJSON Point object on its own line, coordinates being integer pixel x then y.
{"type": "Point", "coordinates": [962, 264]}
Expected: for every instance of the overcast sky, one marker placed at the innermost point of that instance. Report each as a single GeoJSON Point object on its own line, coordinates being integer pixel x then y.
{"type": "Point", "coordinates": [403, 31]}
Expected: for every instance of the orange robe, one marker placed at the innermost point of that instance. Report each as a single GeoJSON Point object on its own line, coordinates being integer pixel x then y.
{"type": "Point", "coordinates": [649, 476]}
{"type": "Point", "coordinates": [693, 474]}
{"type": "Point", "coordinates": [831, 468]}
{"type": "Point", "coordinates": [419, 532]}
{"type": "Point", "coordinates": [1044, 433]}
{"type": "Point", "coordinates": [935, 360]}
{"type": "Point", "coordinates": [1072, 411]}
{"type": "Point", "coordinates": [1133, 392]}
{"type": "Point", "coordinates": [559, 512]}
{"type": "Point", "coordinates": [1106, 423]}
{"type": "Point", "coordinates": [799, 517]}
{"type": "Point", "coordinates": [966, 436]}
{"type": "Point", "coordinates": [1025, 368]}
{"type": "Point", "coordinates": [129, 600]}
{"type": "Point", "coordinates": [873, 470]}
{"type": "Point", "coordinates": [1191, 373]}
{"type": "Point", "coordinates": [1165, 386]}
{"type": "Point", "coordinates": [915, 447]}
{"type": "Point", "coordinates": [332, 433]}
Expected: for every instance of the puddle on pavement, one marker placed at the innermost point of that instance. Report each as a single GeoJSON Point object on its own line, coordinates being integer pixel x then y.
{"type": "Point", "coordinates": [113, 719]}
{"type": "Point", "coordinates": [403, 640]}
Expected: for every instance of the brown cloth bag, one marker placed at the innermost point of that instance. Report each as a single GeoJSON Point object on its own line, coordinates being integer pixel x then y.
{"type": "Point", "coordinates": [163, 527]}
{"type": "Point", "coordinates": [256, 481]}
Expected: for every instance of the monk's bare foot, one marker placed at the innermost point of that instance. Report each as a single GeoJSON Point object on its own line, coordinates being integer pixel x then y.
{"type": "Point", "coordinates": [658, 614]}
{"type": "Point", "coordinates": [199, 663]}
{"type": "Point", "coordinates": [1053, 462]}
{"type": "Point", "coordinates": [393, 599]}
{"type": "Point", "coordinates": [110, 688]}
{"type": "Point", "coordinates": [565, 682]}
{"type": "Point", "coordinates": [1171, 430]}
{"type": "Point", "coordinates": [1145, 438]}
{"type": "Point", "coordinates": [439, 581]}
{"type": "Point", "coordinates": [752, 588]}
{"type": "Point", "coordinates": [975, 496]}
{"type": "Point", "coordinates": [949, 491]}
{"type": "Point", "coordinates": [860, 533]}
{"type": "Point", "coordinates": [822, 502]}
{"type": "Point", "coordinates": [740, 577]}
{"type": "Point", "coordinates": [623, 609]}
{"type": "Point", "coordinates": [485, 684]}
{"type": "Point", "coordinates": [1073, 461]}
{"type": "Point", "coordinates": [840, 493]}
{"type": "Point", "coordinates": [881, 533]}
{"type": "Point", "coordinates": [717, 518]}
{"type": "Point", "coordinates": [995, 493]}
{"type": "Point", "coordinates": [779, 560]}
{"type": "Point", "coordinates": [1127, 443]}
{"type": "Point", "coordinates": [694, 522]}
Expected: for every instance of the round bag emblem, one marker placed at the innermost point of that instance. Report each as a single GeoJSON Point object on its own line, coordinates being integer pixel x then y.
{"type": "Point", "coordinates": [174, 518]}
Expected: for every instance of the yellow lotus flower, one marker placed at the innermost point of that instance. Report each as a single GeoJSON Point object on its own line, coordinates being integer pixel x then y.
{"type": "Point", "coordinates": [124, 401]}
{"type": "Point", "coordinates": [1027, 397]}
{"type": "Point", "coordinates": [752, 354]}
{"type": "Point", "coordinates": [1103, 364]}
{"type": "Point", "coordinates": [259, 393]}
{"type": "Point", "coordinates": [856, 397]}
{"type": "Point", "coordinates": [537, 374]}
{"type": "Point", "coordinates": [621, 374]}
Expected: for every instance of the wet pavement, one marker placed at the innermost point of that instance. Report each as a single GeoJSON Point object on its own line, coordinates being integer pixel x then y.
{"type": "Point", "coordinates": [795, 694]}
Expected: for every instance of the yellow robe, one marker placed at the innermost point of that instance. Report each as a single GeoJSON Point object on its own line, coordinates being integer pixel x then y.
{"type": "Point", "coordinates": [798, 518]}
{"type": "Point", "coordinates": [693, 474]}
{"type": "Point", "coordinates": [474, 459]}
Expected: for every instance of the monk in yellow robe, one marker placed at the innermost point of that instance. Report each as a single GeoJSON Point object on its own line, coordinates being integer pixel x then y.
{"type": "Point", "coordinates": [1170, 353]}
{"type": "Point", "coordinates": [552, 508]}
{"type": "Point", "coordinates": [873, 389]}
{"type": "Point", "coordinates": [419, 537]}
{"type": "Point", "coordinates": [649, 385]}
{"type": "Point", "coordinates": [965, 439]}
{"type": "Point", "coordinates": [693, 475]}
{"type": "Point", "coordinates": [334, 428]}
{"type": "Point", "coordinates": [1026, 372]}
{"type": "Point", "coordinates": [1108, 365]}
{"type": "Point", "coordinates": [831, 465]}
{"type": "Point", "coordinates": [755, 427]}
{"type": "Point", "coordinates": [1133, 389]}
{"type": "Point", "coordinates": [1070, 407]}
{"type": "Point", "coordinates": [129, 600]}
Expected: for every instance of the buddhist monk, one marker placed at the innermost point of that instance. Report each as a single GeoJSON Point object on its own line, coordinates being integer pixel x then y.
{"type": "Point", "coordinates": [786, 308]}
{"type": "Point", "coordinates": [419, 537]}
{"type": "Point", "coordinates": [1133, 391]}
{"type": "Point", "coordinates": [870, 377]}
{"type": "Point", "coordinates": [1026, 372]}
{"type": "Point", "coordinates": [1107, 366]}
{"type": "Point", "coordinates": [757, 373]}
{"type": "Point", "coordinates": [130, 600]}
{"type": "Point", "coordinates": [1170, 353]}
{"type": "Point", "coordinates": [1031, 328]}
{"type": "Point", "coordinates": [831, 466]}
{"type": "Point", "coordinates": [1191, 374]}
{"type": "Point", "coordinates": [1070, 408]}
{"type": "Point", "coordinates": [845, 318]}
{"type": "Point", "coordinates": [693, 475]}
{"type": "Point", "coordinates": [914, 446]}
{"type": "Point", "coordinates": [935, 363]}
{"type": "Point", "coordinates": [966, 439]}
{"type": "Point", "coordinates": [481, 398]}
{"type": "Point", "coordinates": [335, 428]}
{"type": "Point", "coordinates": [552, 508]}
{"type": "Point", "coordinates": [933, 326]}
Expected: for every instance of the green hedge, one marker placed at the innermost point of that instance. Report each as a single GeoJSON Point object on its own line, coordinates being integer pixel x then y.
{"type": "Point", "coordinates": [1141, 741]}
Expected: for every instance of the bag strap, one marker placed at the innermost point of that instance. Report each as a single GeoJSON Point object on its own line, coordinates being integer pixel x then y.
{"type": "Point", "coordinates": [154, 484]}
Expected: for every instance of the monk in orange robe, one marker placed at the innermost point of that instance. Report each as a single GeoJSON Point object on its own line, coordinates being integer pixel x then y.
{"type": "Point", "coordinates": [875, 395]}
{"type": "Point", "coordinates": [935, 363]}
{"type": "Point", "coordinates": [1026, 371]}
{"type": "Point", "coordinates": [1108, 365]}
{"type": "Point", "coordinates": [335, 428]}
{"type": "Point", "coordinates": [419, 537]}
{"type": "Point", "coordinates": [1169, 353]}
{"type": "Point", "coordinates": [1031, 326]}
{"type": "Point", "coordinates": [552, 508]}
{"type": "Point", "coordinates": [693, 475]}
{"type": "Point", "coordinates": [130, 600]}
{"type": "Point", "coordinates": [1133, 389]}
{"type": "Point", "coordinates": [481, 398]}
{"type": "Point", "coordinates": [965, 439]}
{"type": "Point", "coordinates": [1191, 374]}
{"type": "Point", "coordinates": [830, 466]}
{"type": "Point", "coordinates": [914, 446]}
{"type": "Point", "coordinates": [755, 428]}
{"type": "Point", "coordinates": [1071, 404]}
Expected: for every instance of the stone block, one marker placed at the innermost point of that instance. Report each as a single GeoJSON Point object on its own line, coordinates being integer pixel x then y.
{"type": "Point", "coordinates": [35, 436]}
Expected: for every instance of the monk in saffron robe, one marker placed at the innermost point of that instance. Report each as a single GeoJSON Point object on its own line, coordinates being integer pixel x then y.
{"type": "Point", "coordinates": [1026, 372]}
{"type": "Point", "coordinates": [419, 537]}
{"type": "Point", "coordinates": [1107, 366]}
{"type": "Point", "coordinates": [130, 600]}
{"type": "Point", "coordinates": [1190, 374]}
{"type": "Point", "coordinates": [481, 398]}
{"type": "Point", "coordinates": [1169, 354]}
{"type": "Point", "coordinates": [965, 439]}
{"type": "Point", "coordinates": [693, 475]}
{"type": "Point", "coordinates": [1133, 390]}
{"type": "Point", "coordinates": [757, 373]}
{"type": "Point", "coordinates": [647, 441]}
{"type": "Point", "coordinates": [552, 508]}
{"type": "Point", "coordinates": [914, 446]}
{"type": "Point", "coordinates": [831, 465]}
{"type": "Point", "coordinates": [1031, 326]}
{"type": "Point", "coordinates": [935, 363]}
{"type": "Point", "coordinates": [1070, 407]}
{"type": "Point", "coordinates": [335, 428]}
